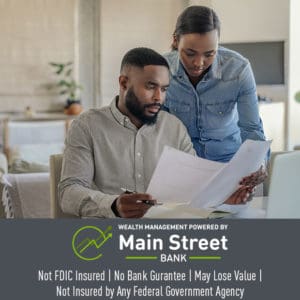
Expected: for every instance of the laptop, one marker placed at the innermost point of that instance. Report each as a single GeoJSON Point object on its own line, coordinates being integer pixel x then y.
{"type": "Point", "coordinates": [284, 192]}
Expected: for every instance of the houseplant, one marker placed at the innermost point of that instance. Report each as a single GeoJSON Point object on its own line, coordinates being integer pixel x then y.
{"type": "Point", "coordinates": [68, 86]}
{"type": "Point", "coordinates": [297, 97]}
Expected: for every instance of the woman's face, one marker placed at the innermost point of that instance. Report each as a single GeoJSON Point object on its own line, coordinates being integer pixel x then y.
{"type": "Point", "coordinates": [197, 52]}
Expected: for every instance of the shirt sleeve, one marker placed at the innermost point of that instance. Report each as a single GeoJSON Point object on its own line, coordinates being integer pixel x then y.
{"type": "Point", "coordinates": [77, 194]}
{"type": "Point", "coordinates": [249, 122]}
{"type": "Point", "coordinates": [186, 144]}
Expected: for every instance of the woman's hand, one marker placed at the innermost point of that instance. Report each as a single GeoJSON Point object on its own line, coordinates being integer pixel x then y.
{"type": "Point", "coordinates": [255, 178]}
{"type": "Point", "coordinates": [241, 195]}
{"type": "Point", "coordinates": [247, 186]}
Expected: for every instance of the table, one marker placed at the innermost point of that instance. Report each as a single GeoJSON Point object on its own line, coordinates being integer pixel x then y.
{"type": "Point", "coordinates": [254, 209]}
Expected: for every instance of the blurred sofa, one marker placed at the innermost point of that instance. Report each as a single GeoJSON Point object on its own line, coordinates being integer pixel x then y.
{"type": "Point", "coordinates": [24, 195]}
{"type": "Point", "coordinates": [3, 170]}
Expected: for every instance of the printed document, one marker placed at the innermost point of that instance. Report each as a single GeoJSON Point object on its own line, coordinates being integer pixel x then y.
{"type": "Point", "coordinates": [183, 178]}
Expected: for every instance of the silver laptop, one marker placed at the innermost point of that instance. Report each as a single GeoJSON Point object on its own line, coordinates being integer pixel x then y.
{"type": "Point", "coordinates": [284, 192]}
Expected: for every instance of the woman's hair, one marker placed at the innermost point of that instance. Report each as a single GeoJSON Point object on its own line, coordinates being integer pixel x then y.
{"type": "Point", "coordinates": [196, 19]}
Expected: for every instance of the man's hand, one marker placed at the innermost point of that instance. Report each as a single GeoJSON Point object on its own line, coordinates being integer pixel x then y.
{"type": "Point", "coordinates": [133, 205]}
{"type": "Point", "coordinates": [255, 178]}
{"type": "Point", "coordinates": [241, 195]}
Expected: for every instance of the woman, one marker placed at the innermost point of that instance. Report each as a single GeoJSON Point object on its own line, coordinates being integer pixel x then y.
{"type": "Point", "coordinates": [212, 88]}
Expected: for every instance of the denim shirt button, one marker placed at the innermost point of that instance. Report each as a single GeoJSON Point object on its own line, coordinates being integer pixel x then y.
{"type": "Point", "coordinates": [220, 113]}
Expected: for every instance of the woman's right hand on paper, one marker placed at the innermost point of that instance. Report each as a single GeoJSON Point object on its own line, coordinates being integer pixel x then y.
{"type": "Point", "coordinates": [241, 195]}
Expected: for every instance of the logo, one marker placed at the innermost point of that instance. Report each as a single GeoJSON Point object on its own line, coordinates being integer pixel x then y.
{"type": "Point", "coordinates": [88, 240]}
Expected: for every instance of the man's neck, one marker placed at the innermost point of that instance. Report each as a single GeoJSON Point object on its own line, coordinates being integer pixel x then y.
{"type": "Point", "coordinates": [123, 109]}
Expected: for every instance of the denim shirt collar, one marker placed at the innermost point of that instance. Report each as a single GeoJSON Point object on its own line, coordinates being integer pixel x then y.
{"type": "Point", "coordinates": [177, 68]}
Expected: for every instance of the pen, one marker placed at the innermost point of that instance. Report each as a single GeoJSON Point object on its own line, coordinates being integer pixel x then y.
{"type": "Point", "coordinates": [126, 191]}
{"type": "Point", "coordinates": [148, 202]}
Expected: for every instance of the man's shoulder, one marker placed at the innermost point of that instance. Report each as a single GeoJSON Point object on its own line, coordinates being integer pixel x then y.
{"type": "Point", "coordinates": [94, 113]}
{"type": "Point", "coordinates": [166, 119]}
{"type": "Point", "coordinates": [93, 118]}
{"type": "Point", "coordinates": [171, 131]}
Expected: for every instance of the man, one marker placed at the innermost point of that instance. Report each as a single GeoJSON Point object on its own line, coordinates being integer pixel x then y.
{"type": "Point", "coordinates": [119, 146]}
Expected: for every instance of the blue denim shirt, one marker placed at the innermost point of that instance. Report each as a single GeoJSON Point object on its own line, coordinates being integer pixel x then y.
{"type": "Point", "coordinates": [222, 111]}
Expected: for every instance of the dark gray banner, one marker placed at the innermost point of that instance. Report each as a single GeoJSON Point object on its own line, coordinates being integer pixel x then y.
{"type": "Point", "coordinates": [151, 259]}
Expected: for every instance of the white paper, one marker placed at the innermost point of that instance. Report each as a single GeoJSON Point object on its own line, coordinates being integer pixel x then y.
{"type": "Point", "coordinates": [247, 160]}
{"type": "Point", "coordinates": [177, 210]}
{"type": "Point", "coordinates": [178, 175]}
{"type": "Point", "coordinates": [183, 178]}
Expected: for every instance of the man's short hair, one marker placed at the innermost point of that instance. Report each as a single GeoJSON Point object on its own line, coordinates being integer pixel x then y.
{"type": "Point", "coordinates": [141, 57]}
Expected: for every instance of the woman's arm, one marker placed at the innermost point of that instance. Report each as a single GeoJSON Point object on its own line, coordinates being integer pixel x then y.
{"type": "Point", "coordinates": [249, 122]}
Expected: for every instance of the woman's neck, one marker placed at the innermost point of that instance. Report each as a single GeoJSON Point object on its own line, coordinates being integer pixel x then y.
{"type": "Point", "coordinates": [195, 80]}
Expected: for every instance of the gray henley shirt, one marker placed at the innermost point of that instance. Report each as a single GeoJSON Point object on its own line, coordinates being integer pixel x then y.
{"type": "Point", "coordinates": [105, 152]}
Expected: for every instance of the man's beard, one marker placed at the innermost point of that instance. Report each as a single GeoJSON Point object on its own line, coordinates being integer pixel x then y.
{"type": "Point", "coordinates": [138, 110]}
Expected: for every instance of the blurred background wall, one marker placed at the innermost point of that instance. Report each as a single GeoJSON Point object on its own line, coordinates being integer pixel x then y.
{"type": "Point", "coordinates": [95, 34]}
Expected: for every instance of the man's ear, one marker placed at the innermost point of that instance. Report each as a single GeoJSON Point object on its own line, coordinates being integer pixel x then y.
{"type": "Point", "coordinates": [123, 81]}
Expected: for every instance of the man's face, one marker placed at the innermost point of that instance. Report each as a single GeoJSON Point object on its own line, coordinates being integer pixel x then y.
{"type": "Point", "coordinates": [136, 108]}
{"type": "Point", "coordinates": [197, 52]}
{"type": "Point", "coordinates": [147, 92]}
